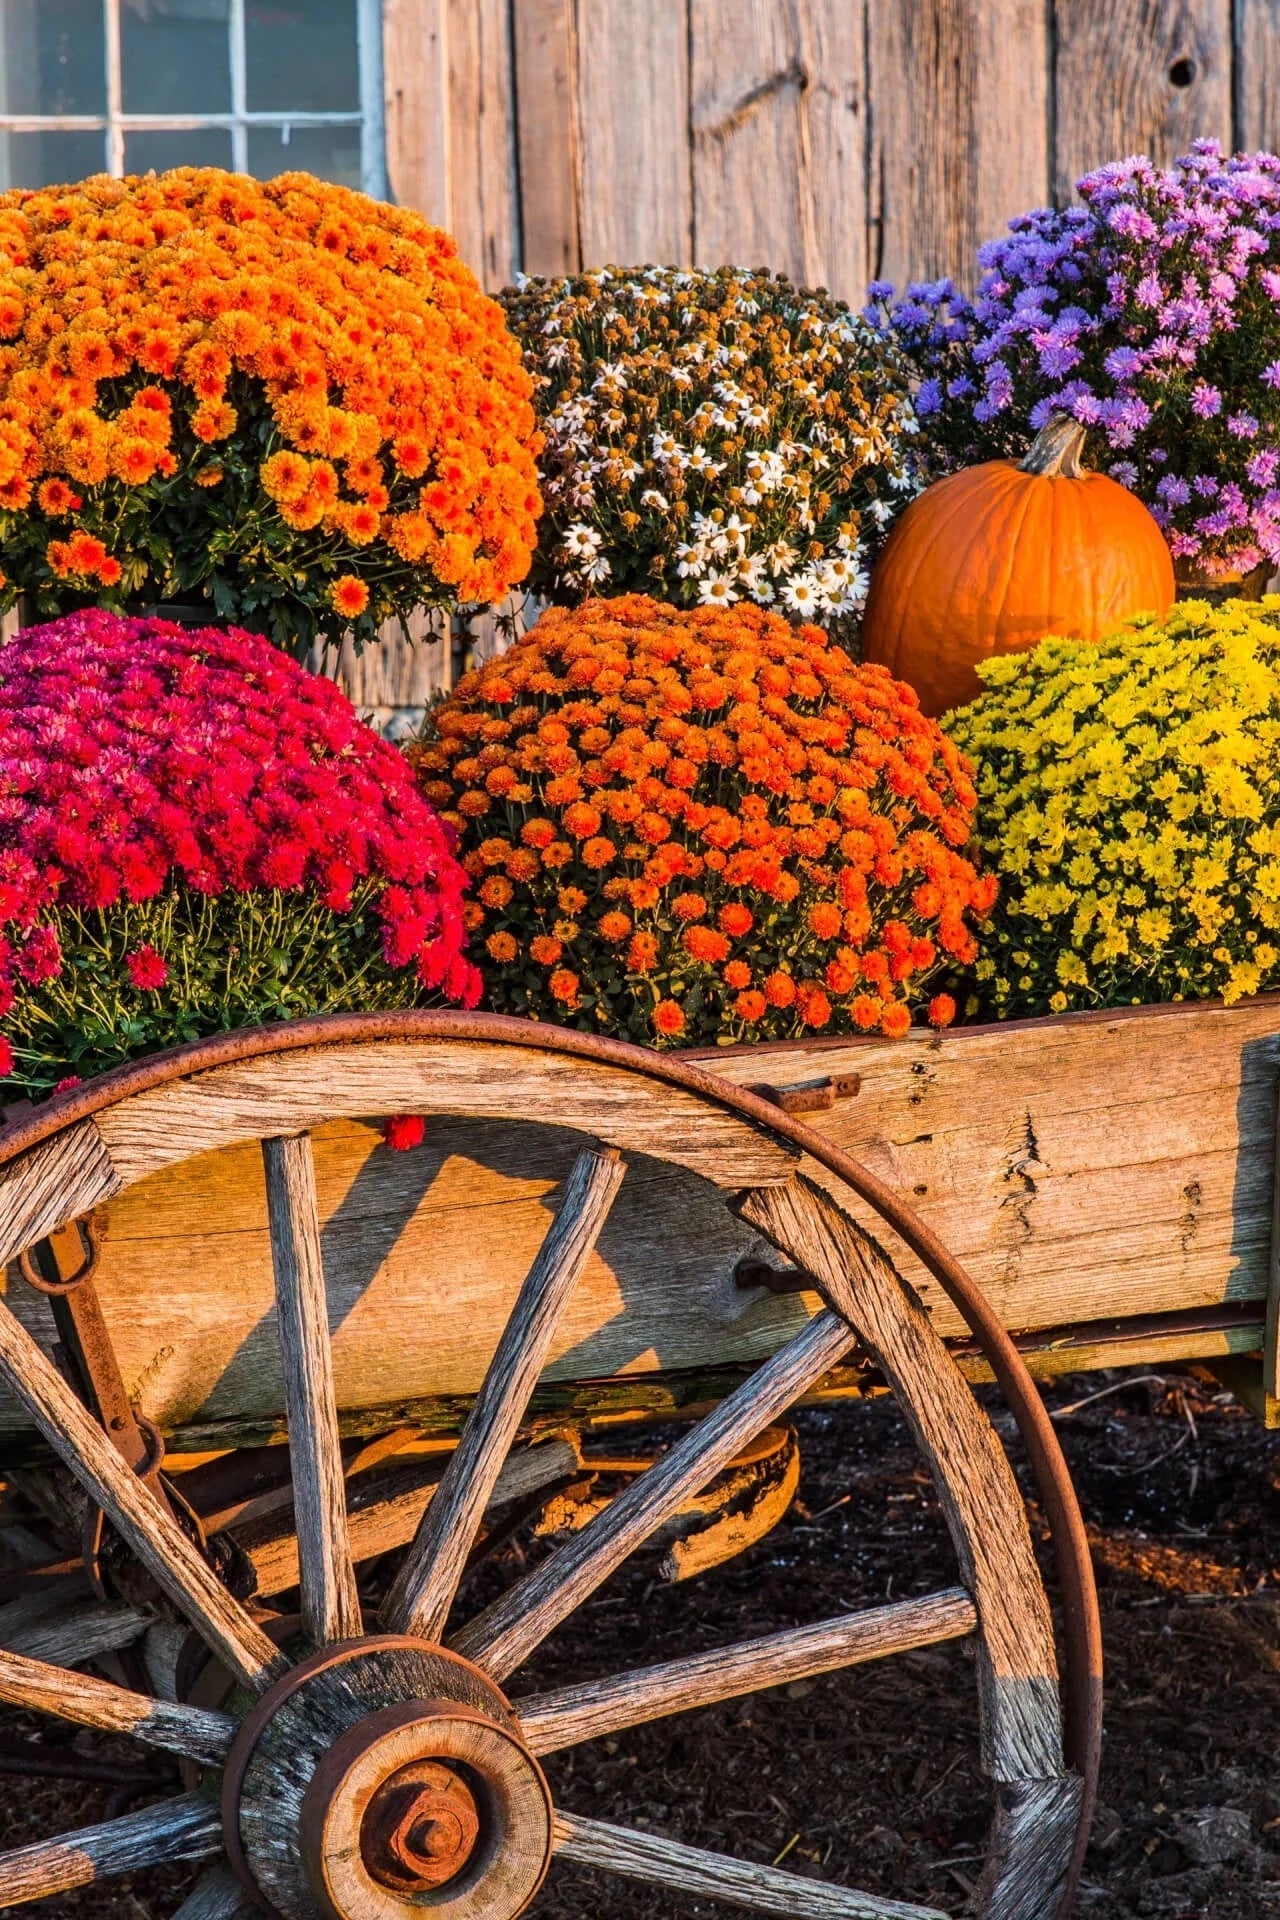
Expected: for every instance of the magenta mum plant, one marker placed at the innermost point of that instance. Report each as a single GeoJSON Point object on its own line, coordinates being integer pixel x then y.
{"type": "Point", "coordinates": [1151, 314]}
{"type": "Point", "coordinates": [195, 835]}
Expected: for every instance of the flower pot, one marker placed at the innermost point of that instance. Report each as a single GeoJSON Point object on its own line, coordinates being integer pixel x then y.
{"type": "Point", "coordinates": [1193, 584]}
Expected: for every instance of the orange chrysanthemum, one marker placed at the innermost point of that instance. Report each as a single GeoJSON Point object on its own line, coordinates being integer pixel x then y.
{"type": "Point", "coordinates": [760, 838]}
{"type": "Point", "coordinates": [359, 389]}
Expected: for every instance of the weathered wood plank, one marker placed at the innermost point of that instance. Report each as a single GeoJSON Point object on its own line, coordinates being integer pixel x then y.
{"type": "Point", "coordinates": [385, 1516]}
{"type": "Point", "coordinates": [424, 1589]}
{"type": "Point", "coordinates": [148, 1527]}
{"type": "Point", "coordinates": [253, 1098]}
{"type": "Point", "coordinates": [217, 1895]}
{"type": "Point", "coordinates": [552, 1721]}
{"type": "Point", "coordinates": [59, 1180]}
{"type": "Point", "coordinates": [779, 94]}
{"type": "Point", "coordinates": [1017, 1665]}
{"type": "Point", "coordinates": [482, 161]}
{"type": "Point", "coordinates": [86, 1702]}
{"type": "Point", "coordinates": [418, 1295]}
{"type": "Point", "coordinates": [1257, 74]}
{"type": "Point", "coordinates": [188, 1828]}
{"type": "Point", "coordinates": [1030, 1847]}
{"type": "Point", "coordinates": [713, 1876]}
{"type": "Point", "coordinates": [415, 63]}
{"type": "Point", "coordinates": [959, 96]}
{"type": "Point", "coordinates": [636, 194]}
{"type": "Point", "coordinates": [1137, 76]}
{"type": "Point", "coordinates": [67, 1634]}
{"type": "Point", "coordinates": [508, 1631]}
{"type": "Point", "coordinates": [546, 72]}
{"type": "Point", "coordinates": [330, 1603]}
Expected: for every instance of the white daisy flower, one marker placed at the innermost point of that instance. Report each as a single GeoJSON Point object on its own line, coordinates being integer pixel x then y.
{"type": "Point", "coordinates": [700, 461]}
{"type": "Point", "coordinates": [652, 498]}
{"type": "Point", "coordinates": [581, 542]}
{"type": "Point", "coordinates": [717, 590]}
{"type": "Point", "coordinates": [690, 560]}
{"type": "Point", "coordinates": [801, 595]}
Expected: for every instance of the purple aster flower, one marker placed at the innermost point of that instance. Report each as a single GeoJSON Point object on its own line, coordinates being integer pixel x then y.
{"type": "Point", "coordinates": [1262, 467]}
{"type": "Point", "coordinates": [1125, 472]}
{"type": "Point", "coordinates": [1206, 400]}
{"type": "Point", "coordinates": [1149, 292]}
{"type": "Point", "coordinates": [1271, 373]}
{"type": "Point", "coordinates": [1173, 490]}
{"type": "Point", "coordinates": [1243, 425]}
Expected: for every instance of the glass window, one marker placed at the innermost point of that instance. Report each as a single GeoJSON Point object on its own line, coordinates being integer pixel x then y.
{"type": "Point", "coordinates": [53, 57]}
{"type": "Point", "coordinates": [261, 86]}
{"type": "Point", "coordinates": [175, 56]}
{"type": "Point", "coordinates": [35, 159]}
{"type": "Point", "coordinates": [303, 54]}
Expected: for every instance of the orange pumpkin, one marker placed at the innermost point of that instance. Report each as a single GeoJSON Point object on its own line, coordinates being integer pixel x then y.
{"type": "Point", "coordinates": [992, 559]}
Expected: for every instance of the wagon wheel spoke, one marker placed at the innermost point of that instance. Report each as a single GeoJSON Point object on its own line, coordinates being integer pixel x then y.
{"type": "Point", "coordinates": [154, 1535]}
{"type": "Point", "coordinates": [330, 1603]}
{"type": "Point", "coordinates": [218, 1895]}
{"type": "Point", "coordinates": [188, 1828]}
{"type": "Point", "coordinates": [552, 1721]}
{"type": "Point", "coordinates": [424, 1591]}
{"type": "Point", "coordinates": [1017, 1664]}
{"type": "Point", "coordinates": [714, 1876]}
{"type": "Point", "coordinates": [506, 1633]}
{"type": "Point", "coordinates": [87, 1702]}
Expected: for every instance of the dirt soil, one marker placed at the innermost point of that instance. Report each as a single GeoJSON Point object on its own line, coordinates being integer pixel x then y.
{"type": "Point", "coordinates": [870, 1776]}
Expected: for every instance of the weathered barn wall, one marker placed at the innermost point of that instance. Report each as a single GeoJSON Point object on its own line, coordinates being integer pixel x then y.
{"type": "Point", "coordinates": [838, 141]}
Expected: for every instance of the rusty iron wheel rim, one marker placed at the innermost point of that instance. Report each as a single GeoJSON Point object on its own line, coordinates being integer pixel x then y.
{"type": "Point", "coordinates": [1081, 1625]}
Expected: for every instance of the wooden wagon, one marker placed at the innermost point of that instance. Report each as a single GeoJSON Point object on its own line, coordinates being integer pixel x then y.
{"type": "Point", "coordinates": [213, 1253]}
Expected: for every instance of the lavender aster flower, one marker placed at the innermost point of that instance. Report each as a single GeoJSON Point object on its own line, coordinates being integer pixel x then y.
{"type": "Point", "coordinates": [1151, 313]}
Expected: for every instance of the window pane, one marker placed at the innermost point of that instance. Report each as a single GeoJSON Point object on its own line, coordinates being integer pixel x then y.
{"type": "Point", "coordinates": [50, 159]}
{"type": "Point", "coordinates": [302, 54]}
{"type": "Point", "coordinates": [205, 147]}
{"type": "Point", "coordinates": [175, 56]}
{"type": "Point", "coordinates": [332, 153]}
{"type": "Point", "coordinates": [52, 56]}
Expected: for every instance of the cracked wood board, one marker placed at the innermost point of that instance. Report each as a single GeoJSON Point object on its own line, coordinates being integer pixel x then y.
{"type": "Point", "coordinates": [1083, 1168]}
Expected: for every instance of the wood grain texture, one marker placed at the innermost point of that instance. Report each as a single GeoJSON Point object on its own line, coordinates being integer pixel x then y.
{"type": "Point", "coordinates": [251, 1099]}
{"type": "Point", "coordinates": [1257, 74]}
{"type": "Point", "coordinates": [385, 1516]}
{"type": "Point", "coordinates": [424, 1589]}
{"type": "Point", "coordinates": [217, 1895]}
{"type": "Point", "coordinates": [1029, 1849]}
{"type": "Point", "coordinates": [636, 195]}
{"type": "Point", "coordinates": [780, 94]}
{"type": "Point", "coordinates": [148, 1528]}
{"type": "Point", "coordinates": [1081, 1168]}
{"type": "Point", "coordinates": [66, 1633]}
{"type": "Point", "coordinates": [61, 1179]}
{"type": "Point", "coordinates": [86, 1702]}
{"type": "Point", "coordinates": [713, 1876]}
{"type": "Point", "coordinates": [416, 70]}
{"type": "Point", "coordinates": [546, 76]}
{"type": "Point", "coordinates": [959, 93]}
{"type": "Point", "coordinates": [1137, 76]}
{"type": "Point", "coordinates": [184, 1829]}
{"type": "Point", "coordinates": [509, 1630]}
{"type": "Point", "coordinates": [552, 1721]}
{"type": "Point", "coordinates": [1017, 1666]}
{"type": "Point", "coordinates": [482, 160]}
{"type": "Point", "coordinates": [417, 1295]}
{"type": "Point", "coordinates": [330, 1604]}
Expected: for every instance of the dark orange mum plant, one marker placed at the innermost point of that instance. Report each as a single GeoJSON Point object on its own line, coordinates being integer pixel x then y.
{"type": "Point", "coordinates": [283, 398]}
{"type": "Point", "coordinates": [691, 827]}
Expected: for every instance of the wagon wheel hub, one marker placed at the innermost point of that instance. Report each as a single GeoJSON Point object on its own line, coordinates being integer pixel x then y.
{"type": "Point", "coordinates": [382, 1775]}
{"type": "Point", "coordinates": [420, 1828]}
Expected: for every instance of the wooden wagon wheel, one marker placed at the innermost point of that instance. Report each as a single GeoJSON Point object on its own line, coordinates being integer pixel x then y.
{"type": "Point", "coordinates": [392, 1770]}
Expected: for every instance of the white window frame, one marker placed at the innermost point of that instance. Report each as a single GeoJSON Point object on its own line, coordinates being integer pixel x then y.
{"type": "Point", "coordinates": [116, 123]}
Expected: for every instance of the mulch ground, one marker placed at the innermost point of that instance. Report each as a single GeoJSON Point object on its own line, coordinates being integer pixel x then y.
{"type": "Point", "coordinates": [870, 1776]}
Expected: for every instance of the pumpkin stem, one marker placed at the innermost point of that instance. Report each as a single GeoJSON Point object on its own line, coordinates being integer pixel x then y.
{"type": "Point", "coordinates": [1056, 449]}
